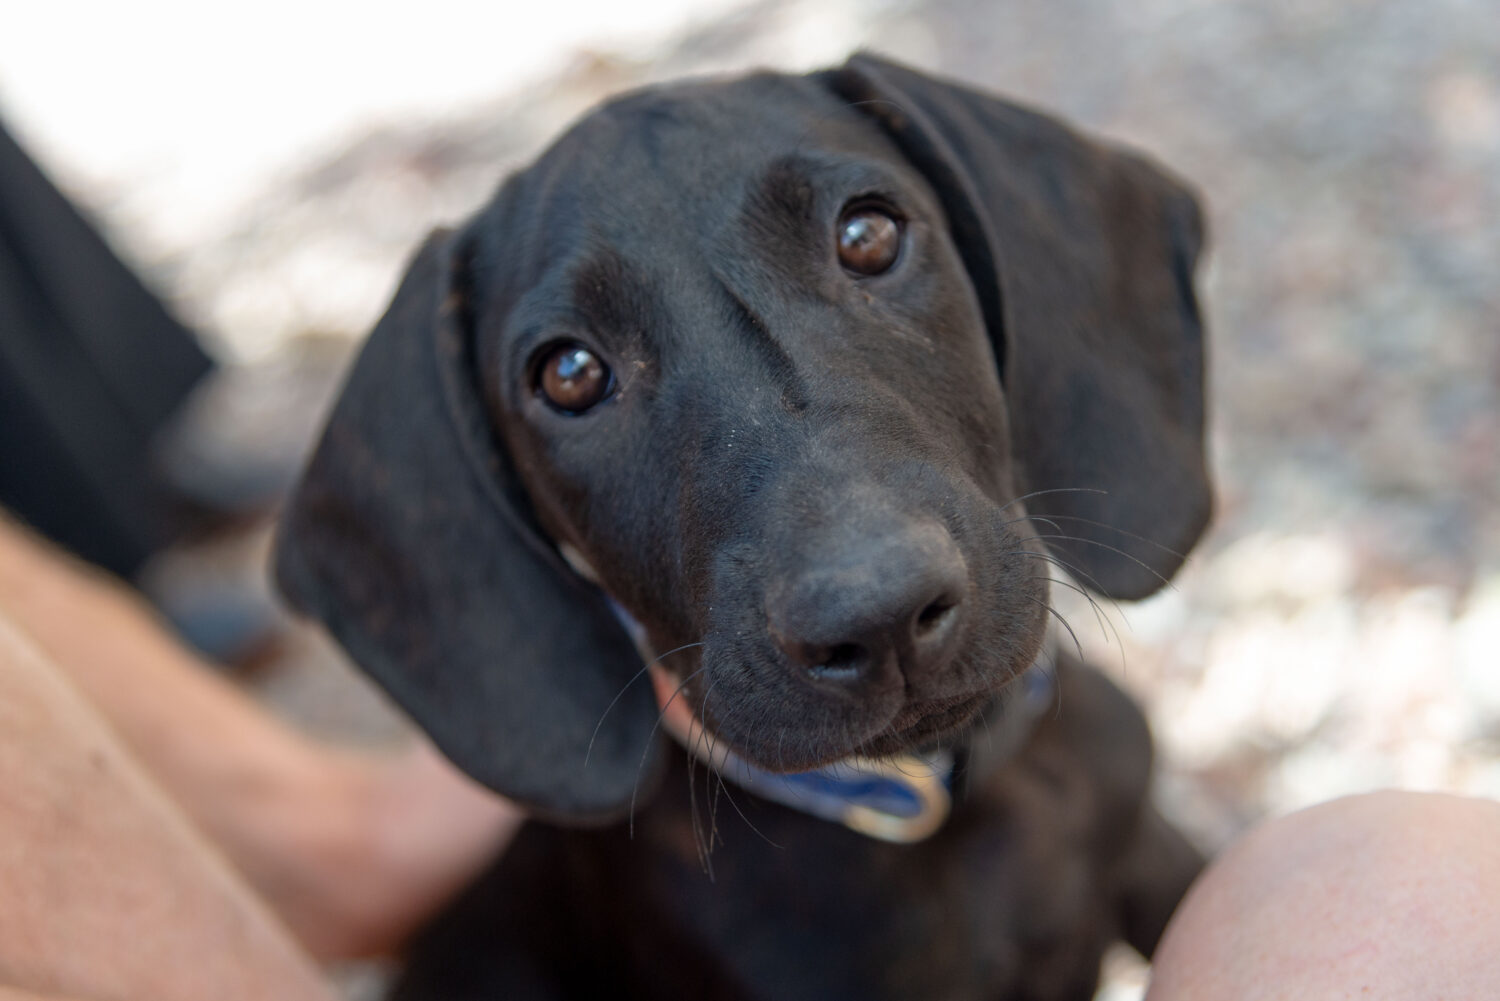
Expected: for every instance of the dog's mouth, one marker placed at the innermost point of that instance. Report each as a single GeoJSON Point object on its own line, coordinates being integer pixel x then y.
{"type": "Point", "coordinates": [918, 726]}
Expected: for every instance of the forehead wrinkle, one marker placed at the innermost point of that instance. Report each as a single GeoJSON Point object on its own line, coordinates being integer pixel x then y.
{"type": "Point", "coordinates": [745, 325]}
{"type": "Point", "coordinates": [767, 243]}
{"type": "Point", "coordinates": [610, 295]}
{"type": "Point", "coordinates": [794, 196]}
{"type": "Point", "coordinates": [781, 190]}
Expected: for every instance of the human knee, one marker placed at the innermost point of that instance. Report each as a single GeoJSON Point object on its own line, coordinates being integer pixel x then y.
{"type": "Point", "coordinates": [1395, 891]}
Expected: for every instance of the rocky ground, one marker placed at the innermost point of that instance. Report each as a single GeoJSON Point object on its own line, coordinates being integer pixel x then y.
{"type": "Point", "coordinates": [1338, 629]}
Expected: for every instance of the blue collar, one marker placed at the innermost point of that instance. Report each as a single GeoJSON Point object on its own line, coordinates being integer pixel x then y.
{"type": "Point", "coordinates": [903, 798]}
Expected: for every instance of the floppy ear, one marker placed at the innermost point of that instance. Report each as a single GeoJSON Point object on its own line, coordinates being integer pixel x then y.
{"type": "Point", "coordinates": [1082, 256]}
{"type": "Point", "coordinates": [410, 537]}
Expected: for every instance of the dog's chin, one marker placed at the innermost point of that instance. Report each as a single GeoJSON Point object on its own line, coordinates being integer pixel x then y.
{"type": "Point", "coordinates": [922, 726]}
{"type": "Point", "coordinates": [926, 725]}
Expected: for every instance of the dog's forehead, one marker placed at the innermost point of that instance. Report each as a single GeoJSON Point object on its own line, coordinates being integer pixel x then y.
{"type": "Point", "coordinates": [654, 190]}
{"type": "Point", "coordinates": [678, 161]}
{"type": "Point", "coordinates": [689, 139]}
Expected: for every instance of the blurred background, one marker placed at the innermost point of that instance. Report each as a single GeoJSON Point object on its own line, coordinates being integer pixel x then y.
{"type": "Point", "coordinates": [268, 170]}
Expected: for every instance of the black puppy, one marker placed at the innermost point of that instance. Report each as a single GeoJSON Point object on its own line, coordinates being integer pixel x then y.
{"type": "Point", "coordinates": [781, 364]}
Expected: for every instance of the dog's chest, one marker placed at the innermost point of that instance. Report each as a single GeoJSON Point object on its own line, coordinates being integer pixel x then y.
{"type": "Point", "coordinates": [1009, 900]}
{"type": "Point", "coordinates": [1005, 902]}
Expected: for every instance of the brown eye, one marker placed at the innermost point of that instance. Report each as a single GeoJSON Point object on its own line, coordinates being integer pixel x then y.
{"type": "Point", "coordinates": [869, 240]}
{"type": "Point", "coordinates": [572, 378]}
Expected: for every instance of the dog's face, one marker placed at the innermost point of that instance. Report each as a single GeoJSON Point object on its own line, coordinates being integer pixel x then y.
{"type": "Point", "coordinates": [755, 391]}
{"type": "Point", "coordinates": [742, 348]}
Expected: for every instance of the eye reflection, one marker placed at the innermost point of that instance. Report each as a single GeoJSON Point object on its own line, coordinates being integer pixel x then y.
{"type": "Point", "coordinates": [869, 240]}
{"type": "Point", "coordinates": [572, 378]}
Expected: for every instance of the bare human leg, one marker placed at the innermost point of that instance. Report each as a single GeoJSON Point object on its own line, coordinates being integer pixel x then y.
{"type": "Point", "coordinates": [1379, 897]}
{"type": "Point", "coordinates": [351, 850]}
{"type": "Point", "coordinates": [109, 891]}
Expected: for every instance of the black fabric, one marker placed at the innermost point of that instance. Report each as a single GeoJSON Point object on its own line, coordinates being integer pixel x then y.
{"type": "Point", "coordinates": [91, 366]}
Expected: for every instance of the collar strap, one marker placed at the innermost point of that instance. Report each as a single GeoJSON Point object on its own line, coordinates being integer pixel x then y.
{"type": "Point", "coordinates": [904, 798]}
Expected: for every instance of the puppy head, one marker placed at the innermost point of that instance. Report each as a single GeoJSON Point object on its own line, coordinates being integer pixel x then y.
{"type": "Point", "coordinates": [785, 360]}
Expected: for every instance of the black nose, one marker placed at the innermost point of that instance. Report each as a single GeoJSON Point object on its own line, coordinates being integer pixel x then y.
{"type": "Point", "coordinates": [889, 608]}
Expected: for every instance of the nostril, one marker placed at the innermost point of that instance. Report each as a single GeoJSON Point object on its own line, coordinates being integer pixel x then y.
{"type": "Point", "coordinates": [840, 662]}
{"type": "Point", "coordinates": [934, 615]}
{"type": "Point", "coordinates": [844, 655]}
